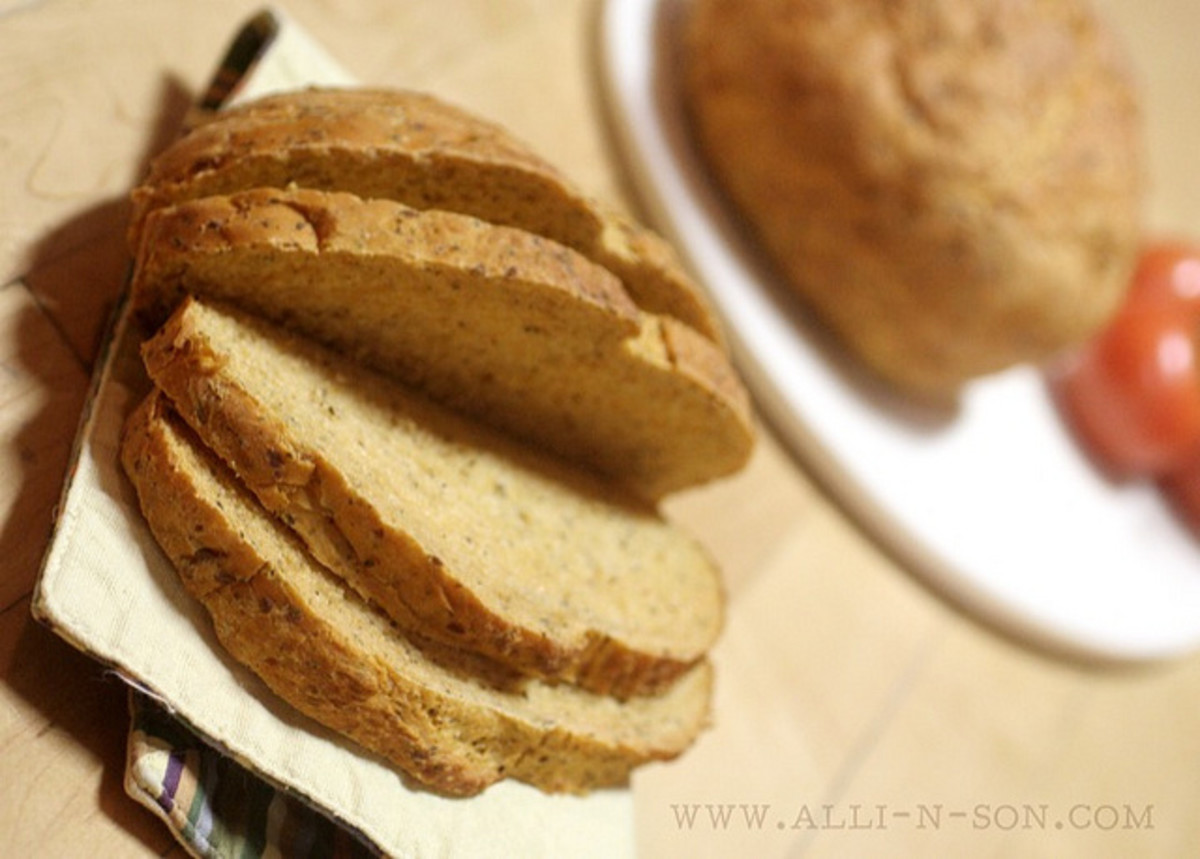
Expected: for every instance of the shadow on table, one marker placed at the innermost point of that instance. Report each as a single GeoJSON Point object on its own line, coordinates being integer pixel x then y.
{"type": "Point", "coordinates": [74, 275]}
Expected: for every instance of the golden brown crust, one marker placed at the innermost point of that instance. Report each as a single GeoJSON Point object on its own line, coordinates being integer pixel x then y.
{"type": "Point", "coordinates": [953, 186]}
{"type": "Point", "coordinates": [332, 657]}
{"type": "Point", "coordinates": [556, 629]}
{"type": "Point", "coordinates": [416, 149]}
{"type": "Point", "coordinates": [452, 529]}
{"type": "Point", "coordinates": [519, 331]}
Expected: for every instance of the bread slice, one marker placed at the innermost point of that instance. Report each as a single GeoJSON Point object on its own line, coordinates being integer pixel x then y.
{"type": "Point", "coordinates": [419, 150]}
{"type": "Point", "coordinates": [455, 530]}
{"type": "Point", "coordinates": [518, 331]}
{"type": "Point", "coordinates": [335, 658]}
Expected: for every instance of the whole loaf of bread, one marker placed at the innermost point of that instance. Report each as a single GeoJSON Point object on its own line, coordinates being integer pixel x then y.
{"type": "Point", "coordinates": [952, 186]}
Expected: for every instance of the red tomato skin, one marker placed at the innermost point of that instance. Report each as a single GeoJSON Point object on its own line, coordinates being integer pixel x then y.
{"type": "Point", "coordinates": [1132, 395]}
{"type": "Point", "coordinates": [1167, 273]}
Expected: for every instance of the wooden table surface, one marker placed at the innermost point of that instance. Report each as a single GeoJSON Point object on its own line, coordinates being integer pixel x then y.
{"type": "Point", "coordinates": [857, 712]}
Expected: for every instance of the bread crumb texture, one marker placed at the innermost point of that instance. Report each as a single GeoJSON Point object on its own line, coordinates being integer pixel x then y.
{"type": "Point", "coordinates": [414, 403]}
{"type": "Point", "coordinates": [434, 713]}
{"type": "Point", "coordinates": [521, 332]}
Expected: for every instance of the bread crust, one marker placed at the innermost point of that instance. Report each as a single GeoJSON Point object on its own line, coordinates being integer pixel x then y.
{"type": "Point", "coordinates": [452, 546]}
{"type": "Point", "coordinates": [326, 652]}
{"type": "Point", "coordinates": [514, 329]}
{"type": "Point", "coordinates": [953, 187]}
{"type": "Point", "coordinates": [419, 150]}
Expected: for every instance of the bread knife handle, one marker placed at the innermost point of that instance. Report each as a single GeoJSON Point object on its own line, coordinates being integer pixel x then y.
{"type": "Point", "coordinates": [248, 46]}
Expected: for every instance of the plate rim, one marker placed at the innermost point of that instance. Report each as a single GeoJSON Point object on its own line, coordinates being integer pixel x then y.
{"type": "Point", "coordinates": [630, 31]}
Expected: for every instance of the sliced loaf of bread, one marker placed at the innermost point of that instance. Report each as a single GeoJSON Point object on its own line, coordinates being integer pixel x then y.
{"type": "Point", "coordinates": [520, 332]}
{"type": "Point", "coordinates": [419, 150]}
{"type": "Point", "coordinates": [454, 529]}
{"type": "Point", "coordinates": [340, 661]}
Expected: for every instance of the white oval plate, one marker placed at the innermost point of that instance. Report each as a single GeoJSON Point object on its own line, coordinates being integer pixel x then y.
{"type": "Point", "coordinates": [994, 506]}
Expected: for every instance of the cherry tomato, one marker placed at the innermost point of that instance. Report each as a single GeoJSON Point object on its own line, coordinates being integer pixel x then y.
{"type": "Point", "coordinates": [1132, 395]}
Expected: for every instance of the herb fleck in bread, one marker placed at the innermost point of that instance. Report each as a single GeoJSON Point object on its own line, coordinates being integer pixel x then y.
{"type": "Point", "coordinates": [332, 656]}
{"type": "Point", "coordinates": [419, 150]}
{"type": "Point", "coordinates": [452, 528]}
{"type": "Point", "coordinates": [517, 330]}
